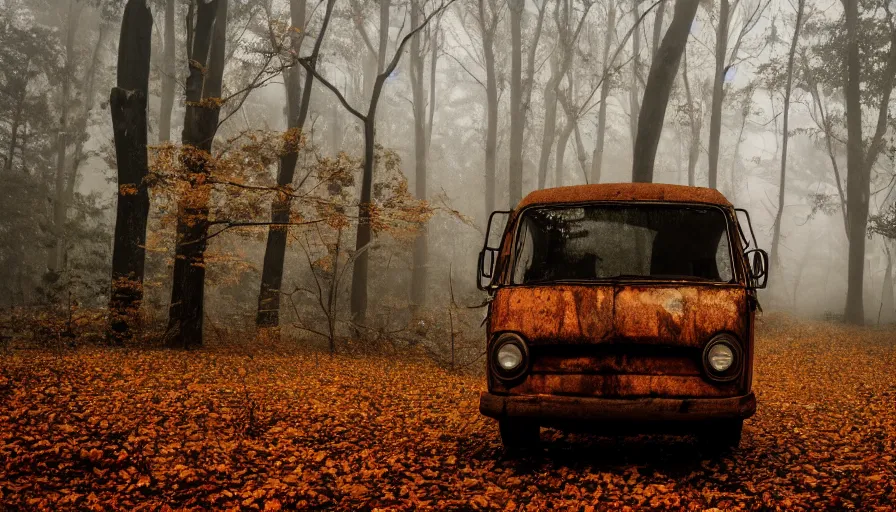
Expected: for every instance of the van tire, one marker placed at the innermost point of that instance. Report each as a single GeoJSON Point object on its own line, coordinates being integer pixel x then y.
{"type": "Point", "coordinates": [722, 436]}
{"type": "Point", "coordinates": [519, 436]}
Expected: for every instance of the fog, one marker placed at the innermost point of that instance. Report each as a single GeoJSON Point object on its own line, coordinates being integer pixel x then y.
{"type": "Point", "coordinates": [58, 60]}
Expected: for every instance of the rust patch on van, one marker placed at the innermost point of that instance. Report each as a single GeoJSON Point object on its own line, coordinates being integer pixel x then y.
{"type": "Point", "coordinates": [619, 386]}
{"type": "Point", "coordinates": [625, 192]}
{"type": "Point", "coordinates": [678, 318]}
{"type": "Point", "coordinates": [677, 315]}
{"type": "Point", "coordinates": [592, 342]}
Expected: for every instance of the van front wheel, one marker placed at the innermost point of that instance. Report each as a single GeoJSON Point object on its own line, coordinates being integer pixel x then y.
{"type": "Point", "coordinates": [519, 436]}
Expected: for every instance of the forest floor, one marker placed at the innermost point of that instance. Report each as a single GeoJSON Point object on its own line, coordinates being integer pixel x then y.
{"type": "Point", "coordinates": [225, 428]}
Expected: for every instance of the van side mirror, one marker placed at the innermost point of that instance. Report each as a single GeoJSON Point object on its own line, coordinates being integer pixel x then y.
{"type": "Point", "coordinates": [487, 260]}
{"type": "Point", "coordinates": [758, 263]}
{"type": "Point", "coordinates": [488, 256]}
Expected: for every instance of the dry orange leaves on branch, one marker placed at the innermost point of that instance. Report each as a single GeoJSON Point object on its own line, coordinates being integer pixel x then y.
{"type": "Point", "coordinates": [239, 181]}
{"type": "Point", "coordinates": [221, 428]}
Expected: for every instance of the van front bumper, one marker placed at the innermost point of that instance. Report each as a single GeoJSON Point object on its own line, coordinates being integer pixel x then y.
{"type": "Point", "coordinates": [554, 408]}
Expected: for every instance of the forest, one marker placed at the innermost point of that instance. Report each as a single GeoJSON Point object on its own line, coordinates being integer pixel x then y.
{"type": "Point", "coordinates": [239, 242]}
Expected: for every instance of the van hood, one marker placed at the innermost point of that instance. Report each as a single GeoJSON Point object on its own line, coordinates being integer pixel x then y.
{"type": "Point", "coordinates": [676, 314]}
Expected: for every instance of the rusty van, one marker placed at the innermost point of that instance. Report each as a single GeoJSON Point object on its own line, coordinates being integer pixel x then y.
{"type": "Point", "coordinates": [621, 306]}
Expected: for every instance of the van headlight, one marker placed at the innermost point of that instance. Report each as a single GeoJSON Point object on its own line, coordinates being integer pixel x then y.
{"type": "Point", "coordinates": [722, 358]}
{"type": "Point", "coordinates": [509, 356]}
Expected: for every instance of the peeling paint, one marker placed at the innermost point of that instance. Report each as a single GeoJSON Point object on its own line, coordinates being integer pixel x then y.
{"type": "Point", "coordinates": [679, 318]}
{"type": "Point", "coordinates": [625, 192]}
{"type": "Point", "coordinates": [676, 315]}
{"type": "Point", "coordinates": [622, 339]}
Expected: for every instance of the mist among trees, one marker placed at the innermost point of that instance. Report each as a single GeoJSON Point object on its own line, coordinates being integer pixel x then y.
{"type": "Point", "coordinates": [278, 165]}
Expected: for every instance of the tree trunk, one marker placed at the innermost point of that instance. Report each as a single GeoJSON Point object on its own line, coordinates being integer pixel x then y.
{"type": "Point", "coordinates": [860, 156]}
{"type": "Point", "coordinates": [168, 74]}
{"type": "Point", "coordinates": [89, 94]}
{"type": "Point", "coordinates": [332, 294]}
{"type": "Point", "coordinates": [888, 313]}
{"type": "Point", "coordinates": [825, 125]}
{"type": "Point", "coordinates": [746, 106]}
{"type": "Point", "coordinates": [128, 106]}
{"type": "Point", "coordinates": [435, 46]}
{"type": "Point", "coordinates": [384, 37]}
{"type": "Point", "coordinates": [634, 104]}
{"type": "Point", "coordinates": [679, 161]}
{"type": "Point", "coordinates": [718, 91]}
{"type": "Point", "coordinates": [696, 125]}
{"type": "Point", "coordinates": [369, 75]}
{"type": "Point", "coordinates": [362, 241]}
{"type": "Point", "coordinates": [569, 111]}
{"type": "Point", "coordinates": [858, 179]}
{"type": "Point", "coordinates": [529, 78]}
{"type": "Point", "coordinates": [550, 120]}
{"type": "Point", "coordinates": [335, 129]}
{"type": "Point", "coordinates": [418, 274]}
{"type": "Point", "coordinates": [659, 86]}
{"type": "Point", "coordinates": [521, 89]}
{"type": "Point", "coordinates": [598, 157]}
{"type": "Point", "coordinates": [364, 234]}
{"type": "Point", "coordinates": [517, 123]}
{"type": "Point", "coordinates": [735, 157]}
{"type": "Point", "coordinates": [491, 100]}
{"type": "Point", "coordinates": [358, 302]}
{"type": "Point", "coordinates": [14, 126]}
{"type": "Point", "coordinates": [581, 154]}
{"type": "Point", "coordinates": [23, 151]}
{"type": "Point", "coordinates": [200, 124]}
{"type": "Point", "coordinates": [694, 154]}
{"type": "Point", "coordinates": [776, 230]}
{"type": "Point", "coordinates": [55, 261]}
{"type": "Point", "coordinates": [562, 141]}
{"type": "Point", "coordinates": [268, 313]}
{"type": "Point", "coordinates": [658, 26]}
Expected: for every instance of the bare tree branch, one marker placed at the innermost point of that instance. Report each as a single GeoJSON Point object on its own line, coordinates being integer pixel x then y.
{"type": "Point", "coordinates": [326, 83]}
{"type": "Point", "coordinates": [608, 65]}
{"type": "Point", "coordinates": [230, 225]}
{"type": "Point", "coordinates": [398, 51]}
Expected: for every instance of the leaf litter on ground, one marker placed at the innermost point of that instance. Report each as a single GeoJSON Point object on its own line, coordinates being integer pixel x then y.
{"type": "Point", "coordinates": [217, 429]}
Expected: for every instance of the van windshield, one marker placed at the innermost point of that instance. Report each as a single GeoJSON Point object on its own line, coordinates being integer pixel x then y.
{"type": "Point", "coordinates": [596, 242]}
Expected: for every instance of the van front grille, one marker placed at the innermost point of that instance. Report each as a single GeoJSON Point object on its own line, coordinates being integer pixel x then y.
{"type": "Point", "coordinates": [615, 359]}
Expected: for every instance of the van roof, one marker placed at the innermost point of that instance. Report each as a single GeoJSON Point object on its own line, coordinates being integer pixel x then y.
{"type": "Point", "coordinates": [625, 192]}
